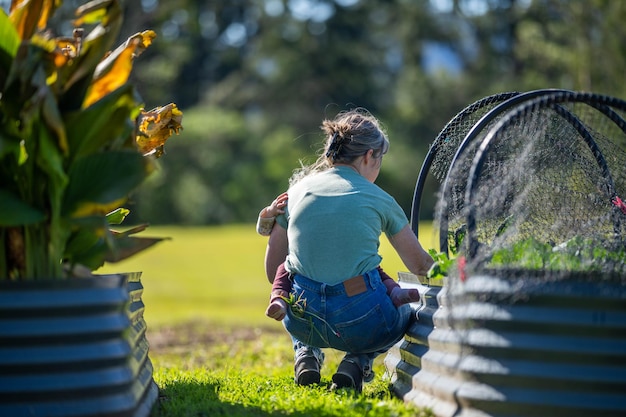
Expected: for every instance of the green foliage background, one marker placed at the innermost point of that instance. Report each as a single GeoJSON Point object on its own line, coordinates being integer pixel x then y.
{"type": "Point", "coordinates": [255, 78]}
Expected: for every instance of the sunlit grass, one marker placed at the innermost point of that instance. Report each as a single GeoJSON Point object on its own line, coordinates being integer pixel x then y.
{"type": "Point", "coordinates": [215, 274]}
{"type": "Point", "coordinates": [253, 376]}
{"type": "Point", "coordinates": [214, 351]}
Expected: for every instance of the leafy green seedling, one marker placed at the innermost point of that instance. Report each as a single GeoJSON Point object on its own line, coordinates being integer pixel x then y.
{"type": "Point", "coordinates": [442, 265]}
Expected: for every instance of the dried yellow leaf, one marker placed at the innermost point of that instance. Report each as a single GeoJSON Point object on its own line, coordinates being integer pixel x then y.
{"type": "Point", "coordinates": [115, 77]}
{"type": "Point", "coordinates": [31, 15]}
{"type": "Point", "coordinates": [156, 126]}
{"type": "Point", "coordinates": [115, 68]}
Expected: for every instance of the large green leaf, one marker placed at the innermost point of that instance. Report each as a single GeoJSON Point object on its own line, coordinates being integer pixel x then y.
{"type": "Point", "coordinates": [9, 42]}
{"type": "Point", "coordinates": [87, 245]}
{"type": "Point", "coordinates": [105, 123]}
{"type": "Point", "coordinates": [50, 160]}
{"type": "Point", "coordinates": [127, 246]}
{"type": "Point", "coordinates": [87, 249]}
{"type": "Point", "coordinates": [10, 144]}
{"type": "Point", "coordinates": [100, 180]}
{"type": "Point", "coordinates": [92, 246]}
{"type": "Point", "coordinates": [15, 212]}
{"type": "Point", "coordinates": [26, 76]}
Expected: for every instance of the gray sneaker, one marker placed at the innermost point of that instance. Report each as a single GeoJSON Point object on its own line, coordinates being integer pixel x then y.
{"type": "Point", "coordinates": [307, 370]}
{"type": "Point", "coordinates": [348, 375]}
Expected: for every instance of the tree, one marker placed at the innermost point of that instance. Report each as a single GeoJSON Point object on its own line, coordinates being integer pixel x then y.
{"type": "Point", "coordinates": [276, 68]}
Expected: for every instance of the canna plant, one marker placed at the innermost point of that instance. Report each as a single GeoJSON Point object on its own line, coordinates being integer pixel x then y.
{"type": "Point", "coordinates": [74, 140]}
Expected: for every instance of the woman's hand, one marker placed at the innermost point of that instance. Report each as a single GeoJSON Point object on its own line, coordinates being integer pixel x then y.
{"type": "Point", "coordinates": [414, 257]}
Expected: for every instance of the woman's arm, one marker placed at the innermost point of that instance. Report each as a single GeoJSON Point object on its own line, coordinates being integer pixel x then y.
{"type": "Point", "coordinates": [415, 258]}
{"type": "Point", "coordinates": [276, 251]}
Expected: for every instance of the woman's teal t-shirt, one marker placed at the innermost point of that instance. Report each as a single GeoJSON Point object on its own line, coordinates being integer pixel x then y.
{"type": "Point", "coordinates": [334, 220]}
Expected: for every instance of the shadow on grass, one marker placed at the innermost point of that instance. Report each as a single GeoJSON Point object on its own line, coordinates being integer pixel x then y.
{"type": "Point", "coordinates": [205, 370]}
{"type": "Point", "coordinates": [201, 399]}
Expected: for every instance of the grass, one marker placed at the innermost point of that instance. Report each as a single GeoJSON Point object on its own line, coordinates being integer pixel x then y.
{"type": "Point", "coordinates": [215, 274]}
{"type": "Point", "coordinates": [250, 375]}
{"type": "Point", "coordinates": [215, 352]}
{"type": "Point", "coordinates": [208, 273]}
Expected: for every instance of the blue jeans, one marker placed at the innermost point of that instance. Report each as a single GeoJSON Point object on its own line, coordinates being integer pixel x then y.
{"type": "Point", "coordinates": [364, 325]}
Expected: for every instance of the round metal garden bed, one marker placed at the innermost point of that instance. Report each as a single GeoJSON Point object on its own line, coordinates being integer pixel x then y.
{"type": "Point", "coordinates": [532, 319]}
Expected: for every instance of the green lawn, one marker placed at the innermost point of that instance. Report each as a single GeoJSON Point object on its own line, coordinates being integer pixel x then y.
{"type": "Point", "coordinates": [215, 274]}
{"type": "Point", "coordinates": [214, 351]}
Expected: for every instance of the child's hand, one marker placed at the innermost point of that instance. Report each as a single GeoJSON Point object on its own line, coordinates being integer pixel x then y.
{"type": "Point", "coordinates": [267, 216]}
{"type": "Point", "coordinates": [277, 207]}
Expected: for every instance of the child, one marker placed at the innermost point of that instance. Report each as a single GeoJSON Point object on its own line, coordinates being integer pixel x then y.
{"type": "Point", "coordinates": [281, 287]}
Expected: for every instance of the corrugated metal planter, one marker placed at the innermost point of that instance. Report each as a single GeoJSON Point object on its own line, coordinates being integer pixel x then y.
{"type": "Point", "coordinates": [74, 347]}
{"type": "Point", "coordinates": [521, 343]}
{"type": "Point", "coordinates": [513, 345]}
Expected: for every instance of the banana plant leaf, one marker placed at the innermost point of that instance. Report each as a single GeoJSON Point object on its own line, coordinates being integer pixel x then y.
{"type": "Point", "coordinates": [9, 43]}
{"type": "Point", "coordinates": [98, 183]}
{"type": "Point", "coordinates": [15, 212]}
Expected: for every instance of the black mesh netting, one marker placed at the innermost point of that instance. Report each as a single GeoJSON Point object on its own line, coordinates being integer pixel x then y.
{"type": "Point", "coordinates": [540, 188]}
{"type": "Point", "coordinates": [449, 139]}
{"type": "Point", "coordinates": [448, 142]}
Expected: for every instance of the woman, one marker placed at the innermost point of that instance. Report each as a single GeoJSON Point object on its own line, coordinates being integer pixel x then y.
{"type": "Point", "coordinates": [329, 235]}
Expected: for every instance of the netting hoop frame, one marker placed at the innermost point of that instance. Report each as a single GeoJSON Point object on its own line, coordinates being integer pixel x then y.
{"type": "Point", "coordinates": [432, 151]}
{"type": "Point", "coordinates": [471, 135]}
{"type": "Point", "coordinates": [602, 103]}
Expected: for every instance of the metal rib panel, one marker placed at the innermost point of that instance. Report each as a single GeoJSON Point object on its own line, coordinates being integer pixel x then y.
{"type": "Point", "coordinates": [75, 348]}
{"type": "Point", "coordinates": [514, 347]}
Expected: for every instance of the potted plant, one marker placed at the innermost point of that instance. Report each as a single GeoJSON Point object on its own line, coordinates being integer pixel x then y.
{"type": "Point", "coordinates": [74, 144]}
